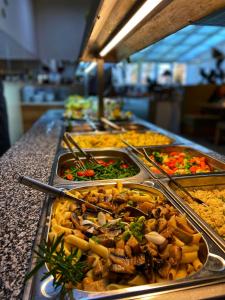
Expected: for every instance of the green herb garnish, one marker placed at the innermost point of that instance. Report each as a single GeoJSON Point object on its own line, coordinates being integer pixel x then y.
{"type": "Point", "coordinates": [64, 268]}
{"type": "Point", "coordinates": [137, 227]}
{"type": "Point", "coordinates": [126, 235]}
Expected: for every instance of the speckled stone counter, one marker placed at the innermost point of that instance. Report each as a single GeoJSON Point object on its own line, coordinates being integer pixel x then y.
{"type": "Point", "coordinates": [20, 207]}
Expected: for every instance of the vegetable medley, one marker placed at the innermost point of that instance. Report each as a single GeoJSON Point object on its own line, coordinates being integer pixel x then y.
{"type": "Point", "coordinates": [105, 169]}
{"type": "Point", "coordinates": [178, 163]}
{"type": "Point", "coordinates": [122, 249]}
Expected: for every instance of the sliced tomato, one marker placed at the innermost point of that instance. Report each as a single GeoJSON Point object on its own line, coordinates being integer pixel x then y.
{"type": "Point", "coordinates": [69, 176]}
{"type": "Point", "coordinates": [111, 162]}
{"type": "Point", "coordinates": [102, 162]}
{"type": "Point", "coordinates": [80, 173]}
{"type": "Point", "coordinates": [193, 169]}
{"type": "Point", "coordinates": [124, 166]}
{"type": "Point", "coordinates": [170, 172]}
{"type": "Point", "coordinates": [155, 170]}
{"type": "Point", "coordinates": [174, 153]}
{"type": "Point", "coordinates": [89, 173]}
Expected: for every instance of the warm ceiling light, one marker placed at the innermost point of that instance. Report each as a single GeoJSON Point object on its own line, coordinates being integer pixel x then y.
{"type": "Point", "coordinates": [90, 67]}
{"type": "Point", "coordinates": [141, 13]}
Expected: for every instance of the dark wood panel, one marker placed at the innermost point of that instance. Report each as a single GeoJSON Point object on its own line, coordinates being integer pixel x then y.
{"type": "Point", "coordinates": [31, 113]}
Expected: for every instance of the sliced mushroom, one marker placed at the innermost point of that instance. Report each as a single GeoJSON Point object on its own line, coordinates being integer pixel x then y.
{"type": "Point", "coordinates": [155, 238]}
{"type": "Point", "coordinates": [101, 218]}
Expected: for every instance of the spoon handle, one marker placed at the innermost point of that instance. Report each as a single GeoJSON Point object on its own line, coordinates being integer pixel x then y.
{"type": "Point", "coordinates": [111, 124]}
{"type": "Point", "coordinates": [48, 189]}
{"type": "Point", "coordinates": [40, 186]}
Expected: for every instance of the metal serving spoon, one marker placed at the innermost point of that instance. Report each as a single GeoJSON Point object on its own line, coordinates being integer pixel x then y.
{"type": "Point", "coordinates": [78, 162]}
{"type": "Point", "coordinates": [145, 155]}
{"type": "Point", "coordinates": [48, 189]}
{"type": "Point", "coordinates": [88, 155]}
{"type": "Point", "coordinates": [112, 125]}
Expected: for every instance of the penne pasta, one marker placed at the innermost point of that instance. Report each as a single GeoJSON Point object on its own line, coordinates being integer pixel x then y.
{"type": "Point", "coordinates": [197, 264]}
{"type": "Point", "coordinates": [191, 248]}
{"type": "Point", "coordinates": [98, 249]}
{"type": "Point", "coordinates": [78, 242]}
{"type": "Point", "coordinates": [190, 269]}
{"type": "Point", "coordinates": [196, 238]}
{"type": "Point", "coordinates": [60, 229]}
{"type": "Point", "coordinates": [115, 251]}
{"type": "Point", "coordinates": [189, 257]}
{"type": "Point", "coordinates": [181, 273]}
{"type": "Point", "coordinates": [172, 274]}
{"type": "Point", "coordinates": [178, 242]}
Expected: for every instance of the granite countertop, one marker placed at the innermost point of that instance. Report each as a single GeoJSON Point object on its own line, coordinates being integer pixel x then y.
{"type": "Point", "coordinates": [20, 207]}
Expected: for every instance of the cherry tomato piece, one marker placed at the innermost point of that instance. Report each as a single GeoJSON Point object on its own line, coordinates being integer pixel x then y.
{"type": "Point", "coordinates": [89, 173]}
{"type": "Point", "coordinates": [69, 176]}
{"type": "Point", "coordinates": [124, 166]}
{"type": "Point", "coordinates": [80, 173]}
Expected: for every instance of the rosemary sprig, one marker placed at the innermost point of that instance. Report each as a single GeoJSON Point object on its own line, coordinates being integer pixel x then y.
{"type": "Point", "coordinates": [64, 268]}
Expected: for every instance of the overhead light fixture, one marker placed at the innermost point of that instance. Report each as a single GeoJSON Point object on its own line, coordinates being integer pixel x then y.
{"type": "Point", "coordinates": [90, 67]}
{"type": "Point", "coordinates": [141, 13]}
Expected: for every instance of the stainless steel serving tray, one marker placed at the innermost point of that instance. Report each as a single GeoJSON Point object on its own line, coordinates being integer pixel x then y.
{"type": "Point", "coordinates": [133, 126]}
{"type": "Point", "coordinates": [77, 126]}
{"type": "Point", "coordinates": [83, 134]}
{"type": "Point", "coordinates": [213, 271]}
{"type": "Point", "coordinates": [213, 162]}
{"type": "Point", "coordinates": [198, 182]}
{"type": "Point", "coordinates": [66, 156]}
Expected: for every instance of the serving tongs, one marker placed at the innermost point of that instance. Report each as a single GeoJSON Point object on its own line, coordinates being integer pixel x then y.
{"type": "Point", "coordinates": [145, 155]}
{"type": "Point", "coordinates": [78, 162]}
{"type": "Point", "coordinates": [88, 155]}
{"type": "Point", "coordinates": [112, 125]}
{"type": "Point", "coordinates": [51, 190]}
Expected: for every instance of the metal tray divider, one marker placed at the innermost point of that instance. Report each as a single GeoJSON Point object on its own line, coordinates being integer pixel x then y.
{"type": "Point", "coordinates": [194, 216]}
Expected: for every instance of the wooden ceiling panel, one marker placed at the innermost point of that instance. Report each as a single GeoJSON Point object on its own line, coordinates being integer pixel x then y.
{"type": "Point", "coordinates": [174, 15]}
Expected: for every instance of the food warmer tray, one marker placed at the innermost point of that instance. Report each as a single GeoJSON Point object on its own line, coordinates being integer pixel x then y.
{"type": "Point", "coordinates": [213, 162]}
{"type": "Point", "coordinates": [198, 181]}
{"type": "Point", "coordinates": [65, 155]}
{"type": "Point", "coordinates": [213, 271]}
{"type": "Point", "coordinates": [83, 134]}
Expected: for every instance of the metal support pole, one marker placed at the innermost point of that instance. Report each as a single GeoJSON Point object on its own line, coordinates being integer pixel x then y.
{"type": "Point", "coordinates": [100, 75]}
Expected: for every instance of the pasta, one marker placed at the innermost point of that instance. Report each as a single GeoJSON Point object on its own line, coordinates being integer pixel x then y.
{"type": "Point", "coordinates": [214, 212]}
{"type": "Point", "coordinates": [147, 138]}
{"type": "Point", "coordinates": [126, 250]}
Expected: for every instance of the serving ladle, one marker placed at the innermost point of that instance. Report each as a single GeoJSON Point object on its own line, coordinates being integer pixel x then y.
{"type": "Point", "coordinates": [145, 155]}
{"type": "Point", "coordinates": [88, 155]}
{"type": "Point", "coordinates": [77, 161]}
{"type": "Point", "coordinates": [51, 190]}
{"type": "Point", "coordinates": [112, 125]}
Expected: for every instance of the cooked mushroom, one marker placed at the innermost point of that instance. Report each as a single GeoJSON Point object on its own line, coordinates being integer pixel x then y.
{"type": "Point", "coordinates": [155, 238]}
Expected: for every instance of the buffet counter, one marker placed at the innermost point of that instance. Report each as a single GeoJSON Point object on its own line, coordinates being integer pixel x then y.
{"type": "Point", "coordinates": [21, 208]}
